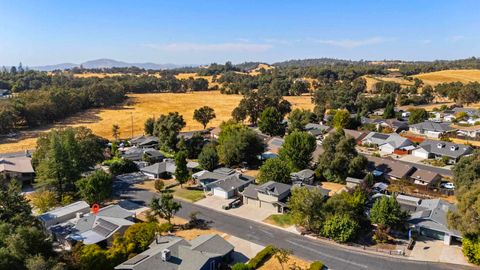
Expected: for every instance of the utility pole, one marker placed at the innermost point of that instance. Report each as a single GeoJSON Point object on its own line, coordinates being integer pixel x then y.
{"type": "Point", "coordinates": [131, 114]}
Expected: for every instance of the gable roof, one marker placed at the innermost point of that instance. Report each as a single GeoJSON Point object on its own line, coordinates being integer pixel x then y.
{"type": "Point", "coordinates": [185, 255]}
{"type": "Point", "coordinates": [80, 206]}
{"type": "Point", "coordinates": [160, 167]}
{"type": "Point", "coordinates": [447, 149]}
{"type": "Point", "coordinates": [432, 214]}
{"type": "Point", "coordinates": [425, 175]}
{"type": "Point", "coordinates": [393, 139]}
{"type": "Point", "coordinates": [433, 126]}
{"type": "Point", "coordinates": [393, 168]}
{"type": "Point", "coordinates": [16, 164]}
{"type": "Point", "coordinates": [231, 182]}
{"type": "Point", "coordinates": [303, 174]}
{"type": "Point", "coordinates": [274, 188]}
{"type": "Point", "coordinates": [469, 111]}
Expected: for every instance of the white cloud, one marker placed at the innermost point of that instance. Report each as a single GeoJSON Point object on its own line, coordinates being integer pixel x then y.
{"type": "Point", "coordinates": [215, 47]}
{"type": "Point", "coordinates": [352, 43]}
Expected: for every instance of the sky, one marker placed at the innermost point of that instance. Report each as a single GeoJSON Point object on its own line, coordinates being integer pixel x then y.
{"type": "Point", "coordinates": [42, 32]}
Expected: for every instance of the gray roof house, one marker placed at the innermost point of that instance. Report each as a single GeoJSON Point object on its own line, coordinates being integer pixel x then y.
{"type": "Point", "coordinates": [469, 111]}
{"type": "Point", "coordinates": [160, 169]}
{"type": "Point", "coordinates": [270, 195]}
{"type": "Point", "coordinates": [144, 141]}
{"type": "Point", "coordinates": [306, 176]}
{"type": "Point", "coordinates": [388, 143]}
{"type": "Point", "coordinates": [425, 178]}
{"type": "Point", "coordinates": [206, 252]}
{"type": "Point", "coordinates": [19, 168]}
{"type": "Point", "coordinates": [439, 149]}
{"type": "Point", "coordinates": [62, 214]}
{"type": "Point", "coordinates": [90, 228]}
{"type": "Point", "coordinates": [431, 129]}
{"type": "Point", "coordinates": [274, 144]}
{"type": "Point", "coordinates": [429, 217]}
{"type": "Point", "coordinates": [229, 186]}
{"type": "Point", "coordinates": [136, 154]}
{"type": "Point", "coordinates": [390, 169]}
{"type": "Point", "coordinates": [352, 183]}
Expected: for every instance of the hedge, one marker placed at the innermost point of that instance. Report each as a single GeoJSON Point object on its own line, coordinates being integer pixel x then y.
{"type": "Point", "coordinates": [241, 266]}
{"type": "Point", "coordinates": [261, 257]}
{"type": "Point", "coordinates": [316, 265]}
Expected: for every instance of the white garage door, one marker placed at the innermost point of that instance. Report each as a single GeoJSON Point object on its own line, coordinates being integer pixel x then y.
{"type": "Point", "coordinates": [220, 193]}
{"type": "Point", "coordinates": [420, 153]}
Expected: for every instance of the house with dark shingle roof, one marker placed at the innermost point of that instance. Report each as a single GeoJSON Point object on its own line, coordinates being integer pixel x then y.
{"type": "Point", "coordinates": [144, 141]}
{"type": "Point", "coordinates": [388, 143]}
{"type": "Point", "coordinates": [229, 186]}
{"type": "Point", "coordinates": [306, 176]}
{"type": "Point", "coordinates": [158, 170]}
{"type": "Point", "coordinates": [18, 168]}
{"type": "Point", "coordinates": [137, 154]}
{"type": "Point", "coordinates": [432, 129]}
{"type": "Point", "coordinates": [270, 195]}
{"type": "Point", "coordinates": [440, 149]}
{"type": "Point", "coordinates": [390, 169]}
{"type": "Point", "coordinates": [206, 252]}
{"type": "Point", "coordinates": [425, 178]}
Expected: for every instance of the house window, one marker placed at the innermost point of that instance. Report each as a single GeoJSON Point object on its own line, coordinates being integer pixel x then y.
{"type": "Point", "coordinates": [212, 265]}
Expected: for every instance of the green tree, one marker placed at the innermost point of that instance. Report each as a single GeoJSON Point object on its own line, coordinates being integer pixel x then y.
{"type": "Point", "coordinates": [167, 129]}
{"type": "Point", "coordinates": [115, 132]}
{"type": "Point", "coordinates": [340, 158]}
{"type": "Point", "coordinates": [341, 228]}
{"type": "Point", "coordinates": [92, 257]}
{"type": "Point", "coordinates": [306, 208]}
{"type": "Point", "coordinates": [471, 249]}
{"type": "Point", "coordinates": [297, 119]}
{"type": "Point", "coordinates": [389, 111]}
{"type": "Point", "coordinates": [237, 143]}
{"type": "Point", "coordinates": [96, 187]}
{"type": "Point", "coordinates": [467, 172]}
{"type": "Point", "coordinates": [297, 150]}
{"type": "Point", "coordinates": [149, 126]}
{"type": "Point", "coordinates": [467, 211]}
{"type": "Point", "coordinates": [386, 212]}
{"type": "Point", "coordinates": [203, 115]}
{"type": "Point", "coordinates": [271, 122]}
{"type": "Point", "coordinates": [14, 208]}
{"type": "Point", "coordinates": [181, 170]}
{"type": "Point", "coordinates": [299, 87]}
{"type": "Point", "coordinates": [239, 114]}
{"type": "Point", "coordinates": [208, 158]}
{"type": "Point", "coordinates": [165, 207]}
{"type": "Point", "coordinates": [417, 115]}
{"type": "Point", "coordinates": [159, 185]}
{"type": "Point", "coordinates": [274, 169]}
{"type": "Point", "coordinates": [43, 200]}
{"type": "Point", "coordinates": [341, 119]}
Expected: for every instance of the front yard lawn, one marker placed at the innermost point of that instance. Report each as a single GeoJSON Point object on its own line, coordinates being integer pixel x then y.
{"type": "Point", "coordinates": [282, 220]}
{"type": "Point", "coordinates": [187, 193]}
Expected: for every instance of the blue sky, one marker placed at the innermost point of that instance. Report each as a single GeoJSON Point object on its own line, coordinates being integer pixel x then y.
{"type": "Point", "coordinates": [197, 32]}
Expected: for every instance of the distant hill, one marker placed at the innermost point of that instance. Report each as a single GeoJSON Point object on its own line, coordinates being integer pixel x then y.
{"type": "Point", "coordinates": [105, 63]}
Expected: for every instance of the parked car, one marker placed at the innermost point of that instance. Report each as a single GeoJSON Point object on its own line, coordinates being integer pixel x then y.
{"type": "Point", "coordinates": [448, 185]}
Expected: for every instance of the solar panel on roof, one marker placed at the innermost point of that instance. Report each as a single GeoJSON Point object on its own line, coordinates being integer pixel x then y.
{"type": "Point", "coordinates": [104, 228]}
{"type": "Point", "coordinates": [380, 136]}
{"type": "Point", "coordinates": [136, 259]}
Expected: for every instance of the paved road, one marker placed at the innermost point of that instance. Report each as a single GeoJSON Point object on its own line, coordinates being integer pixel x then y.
{"type": "Point", "coordinates": [335, 257]}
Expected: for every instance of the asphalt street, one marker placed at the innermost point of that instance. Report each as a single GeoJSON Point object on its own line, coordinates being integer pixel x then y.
{"type": "Point", "coordinates": [334, 256]}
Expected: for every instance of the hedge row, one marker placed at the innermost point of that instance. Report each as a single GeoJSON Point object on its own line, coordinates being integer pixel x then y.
{"type": "Point", "coordinates": [261, 257]}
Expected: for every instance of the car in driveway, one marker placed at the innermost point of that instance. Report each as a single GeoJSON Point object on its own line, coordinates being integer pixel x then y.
{"type": "Point", "coordinates": [448, 185]}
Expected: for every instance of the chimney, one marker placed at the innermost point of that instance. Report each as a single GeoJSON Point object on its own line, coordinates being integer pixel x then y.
{"type": "Point", "coordinates": [78, 215]}
{"type": "Point", "coordinates": [166, 255]}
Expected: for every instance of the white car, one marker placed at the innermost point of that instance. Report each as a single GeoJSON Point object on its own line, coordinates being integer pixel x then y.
{"type": "Point", "coordinates": [448, 185]}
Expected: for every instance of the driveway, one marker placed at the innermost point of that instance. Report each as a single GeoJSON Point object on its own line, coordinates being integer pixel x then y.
{"type": "Point", "coordinates": [244, 249]}
{"type": "Point", "coordinates": [427, 249]}
{"type": "Point", "coordinates": [247, 211]}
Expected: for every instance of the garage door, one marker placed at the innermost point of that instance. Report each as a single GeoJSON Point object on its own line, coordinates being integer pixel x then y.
{"type": "Point", "coordinates": [269, 206]}
{"type": "Point", "coordinates": [420, 153]}
{"type": "Point", "coordinates": [432, 233]}
{"type": "Point", "coordinates": [220, 193]}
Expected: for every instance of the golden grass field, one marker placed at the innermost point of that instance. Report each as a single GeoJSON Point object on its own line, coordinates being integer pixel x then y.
{"type": "Point", "coordinates": [372, 80]}
{"type": "Point", "coordinates": [142, 106]}
{"type": "Point", "coordinates": [462, 75]}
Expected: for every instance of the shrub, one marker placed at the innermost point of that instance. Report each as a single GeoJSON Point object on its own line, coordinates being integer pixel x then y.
{"type": "Point", "coordinates": [120, 166]}
{"type": "Point", "coordinates": [261, 257]}
{"type": "Point", "coordinates": [340, 228]}
{"type": "Point", "coordinates": [241, 266]}
{"type": "Point", "coordinates": [471, 249]}
{"type": "Point", "coordinates": [316, 265]}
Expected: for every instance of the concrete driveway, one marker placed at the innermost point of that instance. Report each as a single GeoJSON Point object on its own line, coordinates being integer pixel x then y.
{"type": "Point", "coordinates": [427, 249]}
{"type": "Point", "coordinates": [244, 249]}
{"type": "Point", "coordinates": [247, 211]}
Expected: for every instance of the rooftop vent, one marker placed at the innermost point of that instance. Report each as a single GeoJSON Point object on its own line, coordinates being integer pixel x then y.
{"type": "Point", "coordinates": [454, 147]}
{"type": "Point", "coordinates": [166, 255]}
{"type": "Point", "coordinates": [440, 145]}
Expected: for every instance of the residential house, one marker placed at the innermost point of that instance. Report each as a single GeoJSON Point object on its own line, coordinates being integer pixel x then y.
{"type": "Point", "coordinates": [425, 178]}
{"type": "Point", "coordinates": [138, 154]}
{"type": "Point", "coordinates": [396, 125]}
{"type": "Point", "coordinates": [469, 111]}
{"type": "Point", "coordinates": [357, 135]}
{"type": "Point", "coordinates": [206, 252]}
{"type": "Point", "coordinates": [19, 168]}
{"type": "Point", "coordinates": [164, 169]}
{"type": "Point", "coordinates": [352, 183]}
{"type": "Point", "coordinates": [306, 176]}
{"type": "Point", "coordinates": [62, 214]}
{"type": "Point", "coordinates": [388, 143]}
{"type": "Point", "coordinates": [468, 131]}
{"type": "Point", "coordinates": [230, 186]}
{"type": "Point", "coordinates": [206, 178]}
{"type": "Point", "coordinates": [429, 217]}
{"type": "Point", "coordinates": [215, 133]}
{"type": "Point", "coordinates": [442, 149]}
{"type": "Point", "coordinates": [274, 145]}
{"type": "Point", "coordinates": [85, 227]}
{"type": "Point", "coordinates": [431, 129]}
{"type": "Point", "coordinates": [389, 169]}
{"type": "Point", "coordinates": [271, 195]}
{"type": "Point", "coordinates": [317, 130]}
{"type": "Point", "coordinates": [144, 141]}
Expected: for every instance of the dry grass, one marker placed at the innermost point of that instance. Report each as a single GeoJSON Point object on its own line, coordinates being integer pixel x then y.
{"type": "Point", "coordinates": [372, 80]}
{"type": "Point", "coordinates": [462, 75]}
{"type": "Point", "coordinates": [333, 187]}
{"type": "Point", "coordinates": [97, 75]}
{"type": "Point", "coordinates": [272, 264]}
{"type": "Point", "coordinates": [194, 233]}
{"type": "Point", "coordinates": [142, 107]}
